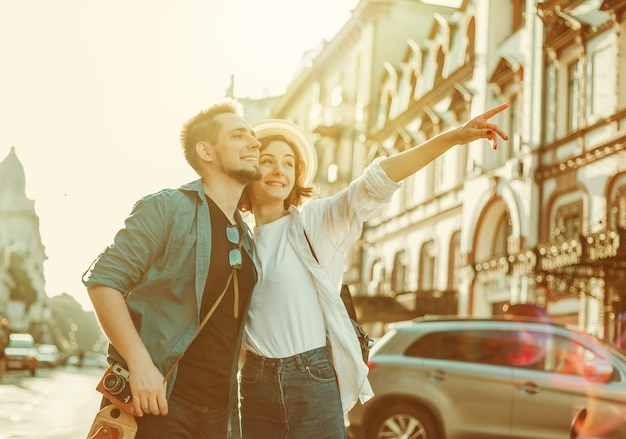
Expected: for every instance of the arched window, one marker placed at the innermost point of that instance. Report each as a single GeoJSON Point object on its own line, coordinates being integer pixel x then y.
{"type": "Point", "coordinates": [618, 210]}
{"type": "Point", "coordinates": [454, 262]}
{"type": "Point", "coordinates": [398, 277]}
{"type": "Point", "coordinates": [427, 265]}
{"type": "Point", "coordinates": [504, 230]}
{"type": "Point", "coordinates": [377, 278]}
{"type": "Point", "coordinates": [569, 220]}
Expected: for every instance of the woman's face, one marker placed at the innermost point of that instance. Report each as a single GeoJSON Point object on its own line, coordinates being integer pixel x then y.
{"type": "Point", "coordinates": [277, 164]}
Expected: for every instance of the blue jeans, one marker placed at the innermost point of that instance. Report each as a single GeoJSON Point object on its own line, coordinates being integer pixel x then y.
{"type": "Point", "coordinates": [291, 398]}
{"type": "Point", "coordinates": [185, 421]}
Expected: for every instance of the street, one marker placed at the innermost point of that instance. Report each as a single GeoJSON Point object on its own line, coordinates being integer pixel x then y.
{"type": "Point", "coordinates": [56, 404]}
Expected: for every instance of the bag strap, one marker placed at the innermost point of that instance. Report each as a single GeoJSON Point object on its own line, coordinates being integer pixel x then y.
{"type": "Point", "coordinates": [232, 277]}
{"type": "Point", "coordinates": [346, 296]}
{"type": "Point", "coordinates": [310, 246]}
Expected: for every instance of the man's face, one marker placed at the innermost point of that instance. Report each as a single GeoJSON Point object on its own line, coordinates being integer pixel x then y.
{"type": "Point", "coordinates": [236, 152]}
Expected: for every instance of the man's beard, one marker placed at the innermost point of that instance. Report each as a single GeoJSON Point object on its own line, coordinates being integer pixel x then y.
{"type": "Point", "coordinates": [244, 176]}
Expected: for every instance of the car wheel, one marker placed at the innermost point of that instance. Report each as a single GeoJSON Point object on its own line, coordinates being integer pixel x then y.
{"type": "Point", "coordinates": [402, 421]}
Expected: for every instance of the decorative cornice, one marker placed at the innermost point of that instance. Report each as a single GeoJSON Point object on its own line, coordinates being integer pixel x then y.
{"type": "Point", "coordinates": [565, 22]}
{"type": "Point", "coordinates": [573, 163]}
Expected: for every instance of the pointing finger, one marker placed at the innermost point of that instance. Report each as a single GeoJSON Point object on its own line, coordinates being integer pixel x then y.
{"type": "Point", "coordinates": [495, 110]}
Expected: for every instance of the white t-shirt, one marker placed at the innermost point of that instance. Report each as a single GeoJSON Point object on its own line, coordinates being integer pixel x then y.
{"type": "Point", "coordinates": [285, 293]}
{"type": "Point", "coordinates": [294, 314]}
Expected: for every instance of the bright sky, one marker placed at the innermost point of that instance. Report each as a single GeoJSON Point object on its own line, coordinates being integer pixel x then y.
{"type": "Point", "coordinates": [93, 94]}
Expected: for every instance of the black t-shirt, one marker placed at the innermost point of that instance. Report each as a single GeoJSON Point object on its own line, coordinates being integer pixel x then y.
{"type": "Point", "coordinates": [204, 370]}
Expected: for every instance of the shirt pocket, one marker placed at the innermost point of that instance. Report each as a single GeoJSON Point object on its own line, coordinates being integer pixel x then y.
{"type": "Point", "coordinates": [179, 257]}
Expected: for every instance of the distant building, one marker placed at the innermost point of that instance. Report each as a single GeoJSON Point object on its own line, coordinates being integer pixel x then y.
{"type": "Point", "coordinates": [22, 254]}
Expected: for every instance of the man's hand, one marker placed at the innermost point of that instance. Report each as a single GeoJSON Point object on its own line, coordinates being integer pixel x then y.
{"type": "Point", "coordinates": [148, 388]}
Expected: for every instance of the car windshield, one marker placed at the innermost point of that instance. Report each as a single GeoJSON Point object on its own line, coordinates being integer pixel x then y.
{"type": "Point", "coordinates": [20, 344]}
{"type": "Point", "coordinates": [612, 349]}
{"type": "Point", "coordinates": [389, 335]}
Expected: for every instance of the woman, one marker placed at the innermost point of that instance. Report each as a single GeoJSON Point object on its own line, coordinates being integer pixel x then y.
{"type": "Point", "coordinates": [290, 385]}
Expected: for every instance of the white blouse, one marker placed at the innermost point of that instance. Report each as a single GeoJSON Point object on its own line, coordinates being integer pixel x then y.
{"type": "Point", "coordinates": [333, 225]}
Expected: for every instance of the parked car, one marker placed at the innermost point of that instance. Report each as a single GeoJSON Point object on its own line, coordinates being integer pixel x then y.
{"type": "Point", "coordinates": [21, 353]}
{"type": "Point", "coordinates": [452, 378]}
{"type": "Point", "coordinates": [48, 355]}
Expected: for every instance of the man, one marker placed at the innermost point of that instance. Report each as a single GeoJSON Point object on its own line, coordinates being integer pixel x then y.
{"type": "Point", "coordinates": [178, 251]}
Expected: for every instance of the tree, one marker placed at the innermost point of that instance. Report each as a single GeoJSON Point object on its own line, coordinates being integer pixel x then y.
{"type": "Point", "coordinates": [73, 328]}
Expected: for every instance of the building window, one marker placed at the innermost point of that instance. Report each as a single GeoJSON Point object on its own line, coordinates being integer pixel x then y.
{"type": "Point", "coordinates": [427, 265]}
{"type": "Point", "coordinates": [602, 82]}
{"type": "Point", "coordinates": [503, 232]}
{"type": "Point", "coordinates": [573, 95]}
{"type": "Point", "coordinates": [519, 14]}
{"type": "Point", "coordinates": [378, 278]}
{"type": "Point", "coordinates": [398, 277]}
{"type": "Point", "coordinates": [514, 124]}
{"type": "Point", "coordinates": [505, 148]}
{"type": "Point", "coordinates": [550, 103]}
{"type": "Point", "coordinates": [387, 93]}
{"type": "Point", "coordinates": [619, 209]}
{"type": "Point", "coordinates": [441, 60]}
{"type": "Point", "coordinates": [454, 262]}
{"type": "Point", "coordinates": [568, 220]}
{"type": "Point", "coordinates": [572, 226]}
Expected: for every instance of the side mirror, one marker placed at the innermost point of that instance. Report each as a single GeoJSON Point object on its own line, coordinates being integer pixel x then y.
{"type": "Point", "coordinates": [577, 423]}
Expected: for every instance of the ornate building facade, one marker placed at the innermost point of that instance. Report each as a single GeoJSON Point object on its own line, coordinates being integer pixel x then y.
{"type": "Point", "coordinates": [22, 254]}
{"type": "Point", "coordinates": [542, 220]}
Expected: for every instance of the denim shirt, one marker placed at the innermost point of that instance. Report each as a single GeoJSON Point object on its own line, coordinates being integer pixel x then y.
{"type": "Point", "coordinates": [158, 260]}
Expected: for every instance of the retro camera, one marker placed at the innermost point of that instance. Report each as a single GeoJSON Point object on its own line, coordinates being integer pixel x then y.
{"type": "Point", "coordinates": [114, 385]}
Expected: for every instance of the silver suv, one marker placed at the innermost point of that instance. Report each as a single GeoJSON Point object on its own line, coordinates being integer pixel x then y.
{"type": "Point", "coordinates": [453, 378]}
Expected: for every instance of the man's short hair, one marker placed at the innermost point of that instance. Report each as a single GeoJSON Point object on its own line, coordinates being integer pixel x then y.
{"type": "Point", "coordinates": [205, 127]}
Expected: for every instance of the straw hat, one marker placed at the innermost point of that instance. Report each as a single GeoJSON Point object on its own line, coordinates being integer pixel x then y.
{"type": "Point", "coordinates": [272, 127]}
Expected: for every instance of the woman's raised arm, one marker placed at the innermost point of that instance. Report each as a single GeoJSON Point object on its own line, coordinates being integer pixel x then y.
{"type": "Point", "coordinates": [400, 166]}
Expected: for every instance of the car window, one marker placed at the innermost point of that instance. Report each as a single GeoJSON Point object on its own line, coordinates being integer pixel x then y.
{"type": "Point", "coordinates": [475, 346]}
{"type": "Point", "coordinates": [529, 352]}
{"type": "Point", "coordinates": [20, 343]}
{"type": "Point", "coordinates": [554, 353]}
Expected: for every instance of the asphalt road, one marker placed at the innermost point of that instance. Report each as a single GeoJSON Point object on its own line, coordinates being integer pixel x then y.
{"type": "Point", "coordinates": [56, 404]}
